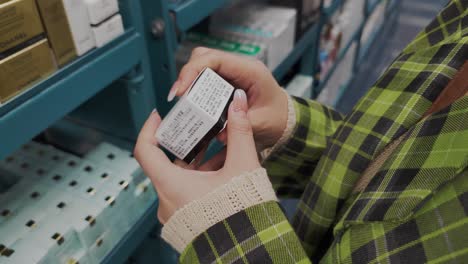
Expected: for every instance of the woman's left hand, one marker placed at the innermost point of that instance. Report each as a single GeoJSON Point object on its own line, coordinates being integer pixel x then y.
{"type": "Point", "coordinates": [178, 184]}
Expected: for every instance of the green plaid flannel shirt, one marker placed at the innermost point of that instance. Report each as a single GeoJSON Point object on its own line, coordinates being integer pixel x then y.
{"type": "Point", "coordinates": [413, 211]}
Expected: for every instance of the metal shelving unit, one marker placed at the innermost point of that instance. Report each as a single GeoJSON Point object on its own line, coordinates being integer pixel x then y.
{"type": "Point", "coordinates": [133, 238]}
{"type": "Point", "coordinates": [139, 68]}
{"type": "Point", "coordinates": [190, 12]}
{"type": "Point", "coordinates": [302, 46]}
{"type": "Point", "coordinates": [51, 99]}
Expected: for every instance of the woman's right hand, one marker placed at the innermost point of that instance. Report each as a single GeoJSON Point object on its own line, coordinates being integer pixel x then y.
{"type": "Point", "coordinates": [268, 103]}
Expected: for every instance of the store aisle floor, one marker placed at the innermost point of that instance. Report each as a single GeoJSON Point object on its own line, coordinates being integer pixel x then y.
{"type": "Point", "coordinates": [414, 16]}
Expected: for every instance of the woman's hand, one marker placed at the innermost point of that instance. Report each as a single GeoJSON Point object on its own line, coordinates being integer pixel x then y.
{"type": "Point", "coordinates": [268, 104]}
{"type": "Point", "coordinates": [177, 186]}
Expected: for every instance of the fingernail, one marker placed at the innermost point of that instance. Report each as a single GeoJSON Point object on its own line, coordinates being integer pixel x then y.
{"type": "Point", "coordinates": [154, 111]}
{"type": "Point", "coordinates": [240, 101]}
{"type": "Point", "coordinates": [173, 92]}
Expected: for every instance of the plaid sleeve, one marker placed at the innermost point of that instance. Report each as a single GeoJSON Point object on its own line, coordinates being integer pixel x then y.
{"type": "Point", "coordinates": [291, 165]}
{"type": "Point", "coordinates": [259, 234]}
{"type": "Point", "coordinates": [437, 232]}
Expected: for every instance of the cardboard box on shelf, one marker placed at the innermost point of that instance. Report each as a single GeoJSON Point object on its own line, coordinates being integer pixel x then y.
{"type": "Point", "coordinates": [24, 68]}
{"type": "Point", "coordinates": [20, 26]}
{"type": "Point", "coordinates": [68, 28]}
{"type": "Point", "coordinates": [271, 26]}
{"type": "Point", "coordinates": [100, 10]}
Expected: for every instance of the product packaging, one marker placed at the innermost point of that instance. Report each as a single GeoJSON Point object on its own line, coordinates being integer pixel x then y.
{"type": "Point", "coordinates": [68, 28]}
{"type": "Point", "coordinates": [231, 44]}
{"type": "Point", "coordinates": [198, 116]}
{"type": "Point", "coordinates": [100, 10]}
{"type": "Point", "coordinates": [108, 30]}
{"type": "Point", "coordinates": [271, 26]}
{"type": "Point", "coordinates": [308, 12]}
{"type": "Point", "coordinates": [20, 70]}
{"type": "Point", "coordinates": [20, 26]}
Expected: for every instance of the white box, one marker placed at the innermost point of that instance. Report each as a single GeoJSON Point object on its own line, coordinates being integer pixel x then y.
{"type": "Point", "coordinates": [80, 26]}
{"type": "Point", "coordinates": [99, 10]}
{"type": "Point", "coordinates": [108, 30]}
{"type": "Point", "coordinates": [269, 25]}
{"type": "Point", "coordinates": [301, 86]}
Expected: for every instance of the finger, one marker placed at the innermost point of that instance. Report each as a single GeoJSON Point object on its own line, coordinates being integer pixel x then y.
{"type": "Point", "coordinates": [151, 158]}
{"type": "Point", "coordinates": [240, 71]}
{"type": "Point", "coordinates": [195, 163]}
{"type": "Point", "coordinates": [222, 137]}
{"type": "Point", "coordinates": [240, 142]}
{"type": "Point", "coordinates": [148, 131]}
{"type": "Point", "coordinates": [215, 163]}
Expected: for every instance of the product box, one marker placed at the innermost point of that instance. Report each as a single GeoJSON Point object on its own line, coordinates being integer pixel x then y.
{"type": "Point", "coordinates": [24, 68]}
{"type": "Point", "coordinates": [108, 30]}
{"type": "Point", "coordinates": [229, 44]}
{"type": "Point", "coordinates": [68, 28]}
{"type": "Point", "coordinates": [20, 26]}
{"type": "Point", "coordinates": [300, 86]}
{"type": "Point", "coordinates": [100, 10]}
{"type": "Point", "coordinates": [197, 117]}
{"type": "Point", "coordinates": [271, 26]}
{"type": "Point", "coordinates": [308, 12]}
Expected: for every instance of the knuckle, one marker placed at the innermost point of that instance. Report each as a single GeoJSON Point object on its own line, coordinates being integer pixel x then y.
{"type": "Point", "coordinates": [199, 51]}
{"type": "Point", "coordinates": [242, 126]}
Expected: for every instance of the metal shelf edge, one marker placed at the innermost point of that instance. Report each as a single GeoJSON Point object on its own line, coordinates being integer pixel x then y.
{"type": "Point", "coordinates": [191, 12]}
{"type": "Point", "coordinates": [122, 251]}
{"type": "Point", "coordinates": [67, 89]}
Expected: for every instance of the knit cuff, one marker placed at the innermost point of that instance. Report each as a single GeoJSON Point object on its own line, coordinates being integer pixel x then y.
{"type": "Point", "coordinates": [248, 189]}
{"type": "Point", "coordinates": [287, 133]}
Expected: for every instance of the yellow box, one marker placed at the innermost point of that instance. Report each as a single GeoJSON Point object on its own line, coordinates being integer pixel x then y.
{"type": "Point", "coordinates": [19, 22]}
{"type": "Point", "coordinates": [58, 30]}
{"type": "Point", "coordinates": [24, 68]}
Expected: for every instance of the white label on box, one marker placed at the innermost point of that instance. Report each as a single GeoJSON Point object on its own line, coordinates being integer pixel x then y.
{"type": "Point", "coordinates": [195, 114]}
{"type": "Point", "coordinates": [108, 30]}
{"type": "Point", "coordinates": [80, 27]}
{"type": "Point", "coordinates": [99, 10]}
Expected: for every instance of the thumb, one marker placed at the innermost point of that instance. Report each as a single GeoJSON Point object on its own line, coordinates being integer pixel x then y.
{"type": "Point", "coordinates": [240, 142]}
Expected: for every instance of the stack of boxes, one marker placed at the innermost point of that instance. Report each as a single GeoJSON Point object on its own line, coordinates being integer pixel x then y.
{"type": "Point", "coordinates": [267, 30]}
{"type": "Point", "coordinates": [25, 55]}
{"type": "Point", "coordinates": [308, 12]}
{"type": "Point", "coordinates": [66, 209]}
{"type": "Point", "coordinates": [30, 29]}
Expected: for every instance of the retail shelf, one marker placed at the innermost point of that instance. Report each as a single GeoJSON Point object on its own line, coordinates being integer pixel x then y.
{"type": "Point", "coordinates": [332, 8]}
{"type": "Point", "coordinates": [51, 99]}
{"type": "Point", "coordinates": [190, 12]}
{"type": "Point", "coordinates": [133, 238]}
{"type": "Point", "coordinates": [340, 57]}
{"type": "Point", "coordinates": [301, 46]}
{"type": "Point", "coordinates": [365, 47]}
